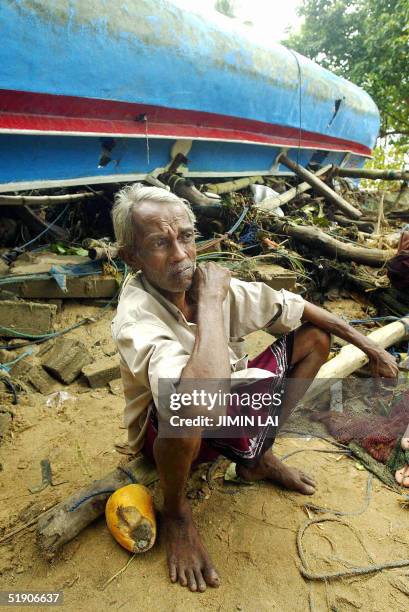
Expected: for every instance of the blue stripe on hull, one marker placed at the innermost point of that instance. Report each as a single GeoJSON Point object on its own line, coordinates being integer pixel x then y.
{"type": "Point", "coordinates": [49, 158]}
{"type": "Point", "coordinates": [151, 52]}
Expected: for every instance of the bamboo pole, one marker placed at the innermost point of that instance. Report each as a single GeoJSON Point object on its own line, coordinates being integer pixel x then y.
{"type": "Point", "coordinates": [351, 358]}
{"type": "Point", "coordinates": [272, 202]}
{"type": "Point", "coordinates": [385, 175]}
{"type": "Point", "coordinates": [320, 187]}
{"type": "Point", "coordinates": [18, 200]}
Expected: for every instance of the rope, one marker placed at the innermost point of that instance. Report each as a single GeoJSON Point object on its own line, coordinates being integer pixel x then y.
{"type": "Point", "coordinates": [87, 497]}
{"type": "Point", "coordinates": [339, 512]}
{"type": "Point", "coordinates": [105, 491]}
{"type": "Point", "coordinates": [356, 571]}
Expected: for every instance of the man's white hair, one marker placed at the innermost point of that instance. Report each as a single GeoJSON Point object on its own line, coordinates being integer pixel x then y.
{"type": "Point", "coordinates": [128, 199]}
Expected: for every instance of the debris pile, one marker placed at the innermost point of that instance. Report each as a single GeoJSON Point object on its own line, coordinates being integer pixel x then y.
{"type": "Point", "coordinates": [314, 231]}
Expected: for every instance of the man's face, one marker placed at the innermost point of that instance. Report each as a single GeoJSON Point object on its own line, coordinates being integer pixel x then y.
{"type": "Point", "coordinates": [165, 247]}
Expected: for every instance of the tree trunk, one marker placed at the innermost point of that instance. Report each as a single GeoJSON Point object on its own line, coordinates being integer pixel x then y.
{"type": "Point", "coordinates": [327, 244]}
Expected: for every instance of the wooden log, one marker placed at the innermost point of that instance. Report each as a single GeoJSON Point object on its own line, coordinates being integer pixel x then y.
{"type": "Point", "coordinates": [364, 226]}
{"type": "Point", "coordinates": [351, 358]}
{"type": "Point", "coordinates": [320, 187]}
{"type": "Point", "coordinates": [66, 520]}
{"type": "Point", "coordinates": [327, 244]}
{"type": "Point", "coordinates": [236, 185]}
{"type": "Point", "coordinates": [45, 200]}
{"type": "Point", "coordinates": [384, 175]}
{"type": "Point", "coordinates": [269, 204]}
{"type": "Point", "coordinates": [186, 189]}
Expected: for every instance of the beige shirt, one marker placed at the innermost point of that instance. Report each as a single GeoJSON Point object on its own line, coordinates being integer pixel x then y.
{"type": "Point", "coordinates": [155, 341]}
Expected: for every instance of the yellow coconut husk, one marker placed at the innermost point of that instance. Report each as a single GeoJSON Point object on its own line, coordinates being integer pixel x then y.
{"type": "Point", "coordinates": [130, 517]}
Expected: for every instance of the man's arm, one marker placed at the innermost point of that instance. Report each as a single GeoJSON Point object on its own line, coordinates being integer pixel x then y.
{"type": "Point", "coordinates": [210, 355]}
{"type": "Point", "coordinates": [381, 362]}
{"type": "Point", "coordinates": [210, 359]}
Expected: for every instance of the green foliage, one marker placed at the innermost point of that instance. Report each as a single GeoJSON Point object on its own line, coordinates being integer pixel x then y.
{"type": "Point", "coordinates": [62, 249]}
{"type": "Point", "coordinates": [388, 158]}
{"type": "Point", "coordinates": [367, 42]}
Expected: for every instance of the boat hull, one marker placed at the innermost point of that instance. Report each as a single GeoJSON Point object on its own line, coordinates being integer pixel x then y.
{"type": "Point", "coordinates": [101, 93]}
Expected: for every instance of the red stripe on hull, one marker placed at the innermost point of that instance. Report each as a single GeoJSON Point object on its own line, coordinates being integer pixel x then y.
{"type": "Point", "coordinates": [23, 111]}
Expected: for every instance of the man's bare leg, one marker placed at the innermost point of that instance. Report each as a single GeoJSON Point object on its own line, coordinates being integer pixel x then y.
{"type": "Point", "coordinates": [188, 561]}
{"type": "Point", "coordinates": [310, 352]}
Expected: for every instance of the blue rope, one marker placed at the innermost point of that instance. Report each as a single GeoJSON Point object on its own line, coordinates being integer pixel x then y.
{"type": "Point", "coordinates": [7, 366]}
{"type": "Point", "coordinates": [87, 497]}
{"type": "Point", "coordinates": [105, 491]}
{"type": "Point", "coordinates": [370, 319]}
{"type": "Point", "coordinates": [46, 229]}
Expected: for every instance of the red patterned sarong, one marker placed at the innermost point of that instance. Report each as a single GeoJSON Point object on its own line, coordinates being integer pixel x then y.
{"type": "Point", "coordinates": [246, 449]}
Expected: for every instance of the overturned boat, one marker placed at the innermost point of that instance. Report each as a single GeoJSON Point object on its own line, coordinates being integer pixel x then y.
{"type": "Point", "coordinates": [99, 92]}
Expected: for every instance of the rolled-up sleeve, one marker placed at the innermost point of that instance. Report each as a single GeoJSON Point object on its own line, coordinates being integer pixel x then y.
{"type": "Point", "coordinates": [256, 306]}
{"type": "Point", "coordinates": [153, 356]}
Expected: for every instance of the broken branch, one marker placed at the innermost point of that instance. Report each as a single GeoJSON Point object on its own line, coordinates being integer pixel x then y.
{"type": "Point", "coordinates": [321, 188]}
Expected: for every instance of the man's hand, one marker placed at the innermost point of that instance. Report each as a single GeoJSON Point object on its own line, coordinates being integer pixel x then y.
{"type": "Point", "coordinates": [382, 364]}
{"type": "Point", "coordinates": [211, 281]}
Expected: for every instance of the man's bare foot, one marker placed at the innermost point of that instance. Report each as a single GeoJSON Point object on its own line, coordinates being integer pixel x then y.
{"type": "Point", "coordinates": [188, 561]}
{"type": "Point", "coordinates": [405, 440]}
{"type": "Point", "coordinates": [402, 476]}
{"type": "Point", "coordinates": [271, 468]}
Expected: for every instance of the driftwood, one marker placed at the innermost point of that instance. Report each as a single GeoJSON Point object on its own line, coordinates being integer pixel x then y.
{"type": "Point", "coordinates": [186, 189]}
{"type": "Point", "coordinates": [19, 200]}
{"type": "Point", "coordinates": [270, 203]}
{"type": "Point", "coordinates": [236, 185]}
{"type": "Point", "coordinates": [351, 358]}
{"type": "Point", "coordinates": [364, 226]}
{"type": "Point", "coordinates": [385, 175]}
{"type": "Point", "coordinates": [327, 244]}
{"type": "Point", "coordinates": [65, 521]}
{"type": "Point", "coordinates": [320, 187]}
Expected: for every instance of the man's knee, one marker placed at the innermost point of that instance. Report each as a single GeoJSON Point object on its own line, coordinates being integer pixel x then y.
{"type": "Point", "coordinates": [187, 448]}
{"type": "Point", "coordinates": [310, 338]}
{"type": "Point", "coordinates": [321, 340]}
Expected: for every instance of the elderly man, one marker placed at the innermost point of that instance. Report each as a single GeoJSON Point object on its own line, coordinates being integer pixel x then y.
{"type": "Point", "coordinates": [176, 320]}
